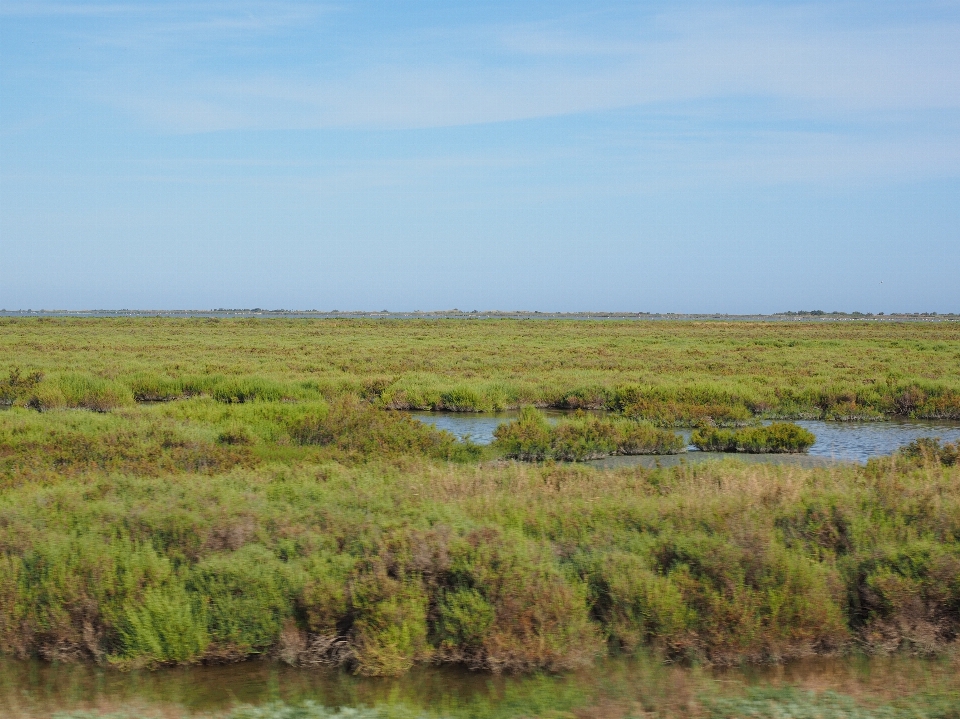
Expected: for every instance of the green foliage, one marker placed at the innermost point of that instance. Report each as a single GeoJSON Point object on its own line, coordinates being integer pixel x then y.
{"type": "Point", "coordinates": [391, 626]}
{"type": "Point", "coordinates": [88, 392]}
{"type": "Point", "coordinates": [638, 606]}
{"type": "Point", "coordinates": [36, 446]}
{"type": "Point", "coordinates": [501, 567]}
{"type": "Point", "coordinates": [361, 429]}
{"type": "Point", "coordinates": [247, 389]}
{"type": "Point", "coordinates": [929, 449]}
{"type": "Point", "coordinates": [528, 438]}
{"type": "Point", "coordinates": [247, 594]}
{"type": "Point", "coordinates": [668, 373]}
{"type": "Point", "coordinates": [779, 437]}
{"type": "Point", "coordinates": [278, 503]}
{"type": "Point", "coordinates": [165, 625]}
{"type": "Point", "coordinates": [531, 438]}
{"type": "Point", "coordinates": [540, 618]}
{"type": "Point", "coordinates": [324, 601]}
{"type": "Point", "coordinates": [17, 385]}
{"type": "Point", "coordinates": [465, 618]}
{"type": "Point", "coordinates": [202, 435]}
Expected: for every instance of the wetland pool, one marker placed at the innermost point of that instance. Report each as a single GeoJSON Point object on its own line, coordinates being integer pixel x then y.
{"type": "Point", "coordinates": [836, 441]}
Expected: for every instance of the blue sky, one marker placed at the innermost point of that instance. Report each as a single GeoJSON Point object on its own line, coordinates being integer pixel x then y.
{"type": "Point", "coordinates": [560, 156]}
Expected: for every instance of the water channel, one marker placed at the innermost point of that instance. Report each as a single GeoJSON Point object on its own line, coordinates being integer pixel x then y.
{"type": "Point", "coordinates": [612, 687]}
{"type": "Point", "coordinates": [836, 441]}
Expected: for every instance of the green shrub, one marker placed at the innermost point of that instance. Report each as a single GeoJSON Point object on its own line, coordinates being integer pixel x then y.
{"type": "Point", "coordinates": [528, 438]}
{"type": "Point", "coordinates": [248, 597]}
{"type": "Point", "coordinates": [906, 596]}
{"type": "Point", "coordinates": [779, 437]}
{"type": "Point", "coordinates": [390, 630]}
{"type": "Point", "coordinates": [531, 438]}
{"type": "Point", "coordinates": [324, 600]}
{"type": "Point", "coordinates": [463, 399]}
{"type": "Point", "coordinates": [465, 619]}
{"type": "Point", "coordinates": [584, 437]}
{"type": "Point", "coordinates": [166, 625]}
{"type": "Point", "coordinates": [35, 446]}
{"type": "Point", "coordinates": [639, 607]}
{"type": "Point", "coordinates": [247, 389]}
{"type": "Point", "coordinates": [88, 392]}
{"type": "Point", "coordinates": [18, 386]}
{"type": "Point", "coordinates": [75, 390]}
{"type": "Point", "coordinates": [713, 439]}
{"type": "Point", "coordinates": [929, 449]}
{"type": "Point", "coordinates": [235, 434]}
{"type": "Point", "coordinates": [155, 388]}
{"type": "Point", "coordinates": [643, 438]}
{"type": "Point", "coordinates": [750, 598]}
{"type": "Point", "coordinates": [540, 618]}
{"type": "Point", "coordinates": [360, 428]}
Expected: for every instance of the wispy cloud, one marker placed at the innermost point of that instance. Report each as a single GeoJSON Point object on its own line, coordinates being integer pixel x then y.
{"type": "Point", "coordinates": [530, 72]}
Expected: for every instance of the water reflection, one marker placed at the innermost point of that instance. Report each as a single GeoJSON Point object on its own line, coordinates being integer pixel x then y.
{"type": "Point", "coordinates": [35, 689]}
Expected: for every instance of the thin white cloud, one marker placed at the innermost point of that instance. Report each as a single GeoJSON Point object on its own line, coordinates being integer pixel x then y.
{"type": "Point", "coordinates": [859, 96]}
{"type": "Point", "coordinates": [712, 55]}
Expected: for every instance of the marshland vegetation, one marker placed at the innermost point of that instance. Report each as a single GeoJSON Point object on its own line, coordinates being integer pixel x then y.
{"type": "Point", "coordinates": [280, 507]}
{"type": "Point", "coordinates": [669, 373]}
{"type": "Point", "coordinates": [782, 437]}
{"type": "Point", "coordinates": [205, 531]}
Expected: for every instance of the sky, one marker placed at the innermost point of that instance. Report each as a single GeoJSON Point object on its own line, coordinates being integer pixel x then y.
{"type": "Point", "coordinates": [733, 157]}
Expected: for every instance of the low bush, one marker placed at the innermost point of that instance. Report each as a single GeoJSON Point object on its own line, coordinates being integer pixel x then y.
{"type": "Point", "coordinates": [528, 438]}
{"type": "Point", "coordinates": [363, 430]}
{"type": "Point", "coordinates": [164, 626]}
{"type": "Point", "coordinates": [500, 567]}
{"type": "Point", "coordinates": [779, 437]}
{"type": "Point", "coordinates": [531, 438]}
{"type": "Point", "coordinates": [18, 385]}
{"type": "Point", "coordinates": [37, 446]}
{"type": "Point", "coordinates": [929, 449]}
{"type": "Point", "coordinates": [247, 595]}
{"type": "Point", "coordinates": [156, 388]}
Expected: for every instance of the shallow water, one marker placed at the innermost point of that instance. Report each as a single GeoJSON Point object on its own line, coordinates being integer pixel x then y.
{"type": "Point", "coordinates": [836, 441]}
{"type": "Point", "coordinates": [37, 689]}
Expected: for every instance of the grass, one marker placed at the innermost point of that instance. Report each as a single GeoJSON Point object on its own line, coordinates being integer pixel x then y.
{"type": "Point", "coordinates": [277, 508]}
{"type": "Point", "coordinates": [782, 437]}
{"type": "Point", "coordinates": [204, 436]}
{"type": "Point", "coordinates": [531, 438]}
{"type": "Point", "coordinates": [670, 373]}
{"type": "Point", "coordinates": [379, 554]}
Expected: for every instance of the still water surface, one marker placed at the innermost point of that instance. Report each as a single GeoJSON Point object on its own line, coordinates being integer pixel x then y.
{"type": "Point", "coordinates": [37, 689]}
{"type": "Point", "coordinates": [836, 441]}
